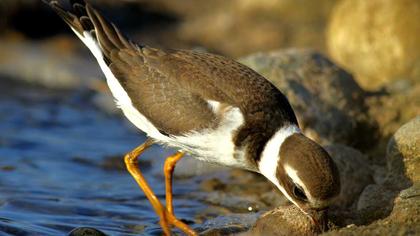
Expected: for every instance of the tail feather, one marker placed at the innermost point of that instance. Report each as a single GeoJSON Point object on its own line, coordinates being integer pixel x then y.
{"type": "Point", "coordinates": [102, 38]}
{"type": "Point", "coordinates": [85, 20]}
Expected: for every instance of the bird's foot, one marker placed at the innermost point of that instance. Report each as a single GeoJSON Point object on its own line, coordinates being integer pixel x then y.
{"type": "Point", "coordinates": [170, 219]}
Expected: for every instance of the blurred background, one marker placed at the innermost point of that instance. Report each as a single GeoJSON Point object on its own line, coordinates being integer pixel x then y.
{"type": "Point", "coordinates": [350, 68]}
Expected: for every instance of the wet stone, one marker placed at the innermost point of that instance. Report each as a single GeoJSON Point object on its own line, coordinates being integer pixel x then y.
{"type": "Point", "coordinates": [86, 231]}
{"type": "Point", "coordinates": [230, 224]}
{"type": "Point", "coordinates": [8, 168]}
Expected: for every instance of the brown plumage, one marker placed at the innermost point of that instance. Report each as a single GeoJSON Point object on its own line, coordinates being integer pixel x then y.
{"type": "Point", "coordinates": [171, 87]}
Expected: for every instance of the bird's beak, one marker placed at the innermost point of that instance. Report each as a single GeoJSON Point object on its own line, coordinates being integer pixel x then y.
{"type": "Point", "coordinates": [319, 218]}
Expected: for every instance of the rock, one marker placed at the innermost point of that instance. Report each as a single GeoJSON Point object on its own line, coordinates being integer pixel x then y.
{"type": "Point", "coordinates": [86, 231]}
{"type": "Point", "coordinates": [391, 205]}
{"type": "Point", "coordinates": [376, 201]}
{"type": "Point", "coordinates": [410, 193]}
{"type": "Point", "coordinates": [328, 102]}
{"type": "Point", "coordinates": [403, 152]}
{"type": "Point", "coordinates": [227, 225]}
{"type": "Point", "coordinates": [403, 220]}
{"type": "Point", "coordinates": [407, 206]}
{"type": "Point", "coordinates": [378, 40]}
{"type": "Point", "coordinates": [285, 220]}
{"type": "Point", "coordinates": [355, 173]}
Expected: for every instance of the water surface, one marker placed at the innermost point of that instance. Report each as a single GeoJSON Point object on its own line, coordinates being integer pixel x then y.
{"type": "Point", "coordinates": [60, 168]}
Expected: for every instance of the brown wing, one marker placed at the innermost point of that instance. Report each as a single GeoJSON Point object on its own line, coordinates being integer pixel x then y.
{"type": "Point", "coordinates": [218, 78]}
{"type": "Point", "coordinates": [170, 106]}
{"type": "Point", "coordinates": [187, 80]}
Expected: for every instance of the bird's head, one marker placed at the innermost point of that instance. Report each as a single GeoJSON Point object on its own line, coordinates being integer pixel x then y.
{"type": "Point", "coordinates": [303, 171]}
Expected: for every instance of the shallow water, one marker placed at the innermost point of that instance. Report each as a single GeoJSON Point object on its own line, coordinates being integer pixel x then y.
{"type": "Point", "coordinates": [55, 152]}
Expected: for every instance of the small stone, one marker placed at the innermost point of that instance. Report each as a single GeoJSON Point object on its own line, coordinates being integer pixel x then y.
{"type": "Point", "coordinates": [407, 206]}
{"type": "Point", "coordinates": [412, 192]}
{"type": "Point", "coordinates": [375, 201]}
{"type": "Point", "coordinates": [285, 220]}
{"type": "Point", "coordinates": [7, 168]}
{"type": "Point", "coordinates": [227, 225]}
{"type": "Point", "coordinates": [403, 152]}
{"type": "Point", "coordinates": [86, 231]}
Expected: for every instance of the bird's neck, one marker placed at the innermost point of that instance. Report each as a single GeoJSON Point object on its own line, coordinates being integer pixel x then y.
{"type": "Point", "coordinates": [259, 143]}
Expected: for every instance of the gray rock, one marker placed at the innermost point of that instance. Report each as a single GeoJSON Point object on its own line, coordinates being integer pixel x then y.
{"type": "Point", "coordinates": [403, 152]}
{"type": "Point", "coordinates": [227, 225]}
{"type": "Point", "coordinates": [355, 173]}
{"type": "Point", "coordinates": [403, 220]}
{"type": "Point", "coordinates": [375, 202]}
{"type": "Point", "coordinates": [407, 207]}
{"type": "Point", "coordinates": [328, 102]}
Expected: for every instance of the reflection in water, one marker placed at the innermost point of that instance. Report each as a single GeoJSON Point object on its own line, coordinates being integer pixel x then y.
{"type": "Point", "coordinates": [52, 149]}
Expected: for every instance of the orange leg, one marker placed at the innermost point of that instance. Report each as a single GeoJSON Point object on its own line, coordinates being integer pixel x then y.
{"type": "Point", "coordinates": [131, 163]}
{"type": "Point", "coordinates": [167, 217]}
{"type": "Point", "coordinates": [168, 170]}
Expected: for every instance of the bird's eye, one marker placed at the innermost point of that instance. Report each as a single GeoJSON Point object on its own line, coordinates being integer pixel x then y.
{"type": "Point", "coordinates": [299, 194]}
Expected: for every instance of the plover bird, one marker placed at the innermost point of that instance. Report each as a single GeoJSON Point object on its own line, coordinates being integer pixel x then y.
{"type": "Point", "coordinates": [210, 107]}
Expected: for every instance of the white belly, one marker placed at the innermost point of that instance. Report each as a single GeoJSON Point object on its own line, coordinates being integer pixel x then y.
{"type": "Point", "coordinates": [211, 145]}
{"type": "Point", "coordinates": [216, 145]}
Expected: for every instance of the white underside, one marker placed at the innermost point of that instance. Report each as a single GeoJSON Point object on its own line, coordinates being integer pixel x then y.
{"type": "Point", "coordinates": [211, 145]}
